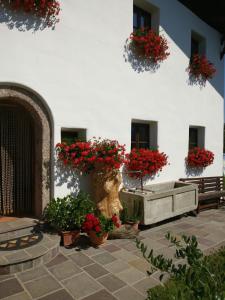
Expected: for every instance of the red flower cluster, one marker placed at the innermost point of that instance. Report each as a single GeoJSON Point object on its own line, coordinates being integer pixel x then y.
{"type": "Point", "coordinates": [145, 162]}
{"type": "Point", "coordinates": [99, 224]}
{"type": "Point", "coordinates": [199, 158]}
{"type": "Point", "coordinates": [106, 155]}
{"type": "Point", "coordinates": [150, 44]}
{"type": "Point", "coordinates": [200, 67]}
{"type": "Point", "coordinates": [42, 8]}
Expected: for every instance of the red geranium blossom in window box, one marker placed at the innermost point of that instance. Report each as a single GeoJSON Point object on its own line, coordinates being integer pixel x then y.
{"type": "Point", "coordinates": [199, 158]}
{"type": "Point", "coordinates": [201, 68]}
{"type": "Point", "coordinates": [99, 154]}
{"type": "Point", "coordinates": [150, 45]}
{"type": "Point", "coordinates": [142, 162]}
{"type": "Point", "coordinates": [47, 9]}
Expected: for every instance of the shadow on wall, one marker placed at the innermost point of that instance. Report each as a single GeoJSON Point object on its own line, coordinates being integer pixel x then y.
{"type": "Point", "coordinates": [132, 183]}
{"type": "Point", "coordinates": [74, 182]}
{"type": "Point", "coordinates": [22, 21]}
{"type": "Point", "coordinates": [193, 172]}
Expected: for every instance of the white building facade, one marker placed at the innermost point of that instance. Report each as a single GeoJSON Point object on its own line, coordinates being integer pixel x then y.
{"type": "Point", "coordinates": [85, 80]}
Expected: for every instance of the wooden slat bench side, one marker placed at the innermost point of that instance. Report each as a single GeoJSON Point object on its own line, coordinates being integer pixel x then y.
{"type": "Point", "coordinates": [209, 188]}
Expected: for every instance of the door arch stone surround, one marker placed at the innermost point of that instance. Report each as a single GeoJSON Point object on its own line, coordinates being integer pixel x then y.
{"type": "Point", "coordinates": [41, 114]}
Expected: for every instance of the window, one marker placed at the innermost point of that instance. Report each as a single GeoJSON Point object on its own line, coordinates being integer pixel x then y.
{"type": "Point", "coordinates": [144, 134]}
{"type": "Point", "coordinates": [69, 136]}
{"type": "Point", "coordinates": [141, 18]}
{"type": "Point", "coordinates": [193, 138]}
{"type": "Point", "coordinates": [198, 44]}
{"type": "Point", "coordinates": [196, 137]}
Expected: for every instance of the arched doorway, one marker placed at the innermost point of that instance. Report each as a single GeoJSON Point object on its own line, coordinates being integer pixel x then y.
{"type": "Point", "coordinates": [25, 152]}
{"type": "Point", "coordinates": [16, 160]}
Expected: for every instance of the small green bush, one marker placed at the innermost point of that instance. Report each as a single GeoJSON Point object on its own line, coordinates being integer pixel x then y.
{"type": "Point", "coordinates": [68, 213]}
{"type": "Point", "coordinates": [201, 278]}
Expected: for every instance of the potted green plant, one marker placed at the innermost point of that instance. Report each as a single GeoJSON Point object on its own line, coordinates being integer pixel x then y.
{"type": "Point", "coordinates": [67, 214]}
{"type": "Point", "coordinates": [98, 227]}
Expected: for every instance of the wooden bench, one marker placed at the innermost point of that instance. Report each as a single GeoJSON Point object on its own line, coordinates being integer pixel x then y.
{"type": "Point", "coordinates": [210, 191]}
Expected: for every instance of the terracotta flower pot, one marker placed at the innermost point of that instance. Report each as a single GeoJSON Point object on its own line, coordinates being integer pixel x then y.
{"type": "Point", "coordinates": [69, 237]}
{"type": "Point", "coordinates": [97, 240]}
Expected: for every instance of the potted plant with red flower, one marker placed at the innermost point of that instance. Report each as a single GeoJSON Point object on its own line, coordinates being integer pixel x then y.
{"type": "Point", "coordinates": [199, 158]}
{"type": "Point", "coordinates": [98, 227]}
{"type": "Point", "coordinates": [150, 45]}
{"type": "Point", "coordinates": [67, 215]}
{"type": "Point", "coordinates": [142, 162]}
{"type": "Point", "coordinates": [201, 68]}
{"type": "Point", "coordinates": [102, 158]}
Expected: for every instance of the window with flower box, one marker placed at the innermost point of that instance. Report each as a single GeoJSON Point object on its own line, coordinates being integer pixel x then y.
{"type": "Point", "coordinates": [196, 137]}
{"type": "Point", "coordinates": [70, 135]}
{"type": "Point", "coordinates": [144, 134]}
{"type": "Point", "coordinates": [141, 18]}
{"type": "Point", "coordinates": [145, 15]}
{"type": "Point", "coordinates": [198, 44]}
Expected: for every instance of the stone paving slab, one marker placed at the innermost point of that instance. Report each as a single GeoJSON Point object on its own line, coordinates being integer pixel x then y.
{"type": "Point", "coordinates": [114, 271]}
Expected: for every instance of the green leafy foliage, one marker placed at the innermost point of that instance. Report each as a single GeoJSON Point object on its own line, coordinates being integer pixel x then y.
{"type": "Point", "coordinates": [197, 277]}
{"type": "Point", "coordinates": [69, 212]}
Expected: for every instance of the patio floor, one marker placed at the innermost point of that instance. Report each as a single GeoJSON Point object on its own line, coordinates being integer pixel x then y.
{"type": "Point", "coordinates": [113, 271]}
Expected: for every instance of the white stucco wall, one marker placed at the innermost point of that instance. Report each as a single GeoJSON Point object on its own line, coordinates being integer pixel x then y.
{"type": "Point", "coordinates": [80, 71]}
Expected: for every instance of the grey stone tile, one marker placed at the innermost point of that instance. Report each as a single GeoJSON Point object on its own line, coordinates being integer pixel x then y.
{"type": "Point", "coordinates": [101, 295]}
{"type": "Point", "coordinates": [20, 296]}
{"type": "Point", "coordinates": [140, 264]}
{"type": "Point", "coordinates": [206, 242]}
{"type": "Point", "coordinates": [17, 256]}
{"type": "Point", "coordinates": [117, 266]}
{"type": "Point", "coordinates": [91, 251]}
{"type": "Point", "coordinates": [82, 285]}
{"type": "Point", "coordinates": [124, 255]}
{"type": "Point", "coordinates": [10, 287]}
{"type": "Point", "coordinates": [103, 258]}
{"type": "Point", "coordinates": [152, 244]}
{"type": "Point", "coordinates": [36, 250]}
{"type": "Point", "coordinates": [60, 258]}
{"type": "Point", "coordinates": [65, 270]}
{"type": "Point", "coordinates": [144, 285]}
{"type": "Point", "coordinates": [131, 275]}
{"type": "Point", "coordinates": [129, 293]}
{"type": "Point", "coordinates": [32, 274]}
{"type": "Point", "coordinates": [81, 259]}
{"type": "Point", "coordinates": [111, 248]}
{"type": "Point", "coordinates": [111, 282]}
{"type": "Point", "coordinates": [131, 246]}
{"type": "Point", "coordinates": [42, 286]}
{"type": "Point", "coordinates": [96, 270]}
{"type": "Point", "coordinates": [5, 277]}
{"type": "Point", "coordinates": [59, 295]}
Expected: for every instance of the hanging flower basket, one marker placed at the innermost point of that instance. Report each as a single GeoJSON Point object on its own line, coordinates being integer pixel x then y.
{"type": "Point", "coordinates": [199, 158]}
{"type": "Point", "coordinates": [142, 162]}
{"type": "Point", "coordinates": [45, 9]}
{"type": "Point", "coordinates": [149, 45]}
{"type": "Point", "coordinates": [201, 68]}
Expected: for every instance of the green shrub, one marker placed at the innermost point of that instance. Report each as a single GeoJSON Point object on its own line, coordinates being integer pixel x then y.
{"type": "Point", "coordinates": [68, 213]}
{"type": "Point", "coordinates": [201, 278]}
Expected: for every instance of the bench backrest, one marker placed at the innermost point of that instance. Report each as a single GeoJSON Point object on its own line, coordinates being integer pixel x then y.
{"type": "Point", "coordinates": [206, 184]}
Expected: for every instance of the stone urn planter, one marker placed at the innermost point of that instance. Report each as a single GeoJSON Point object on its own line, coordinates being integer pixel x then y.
{"type": "Point", "coordinates": [105, 192]}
